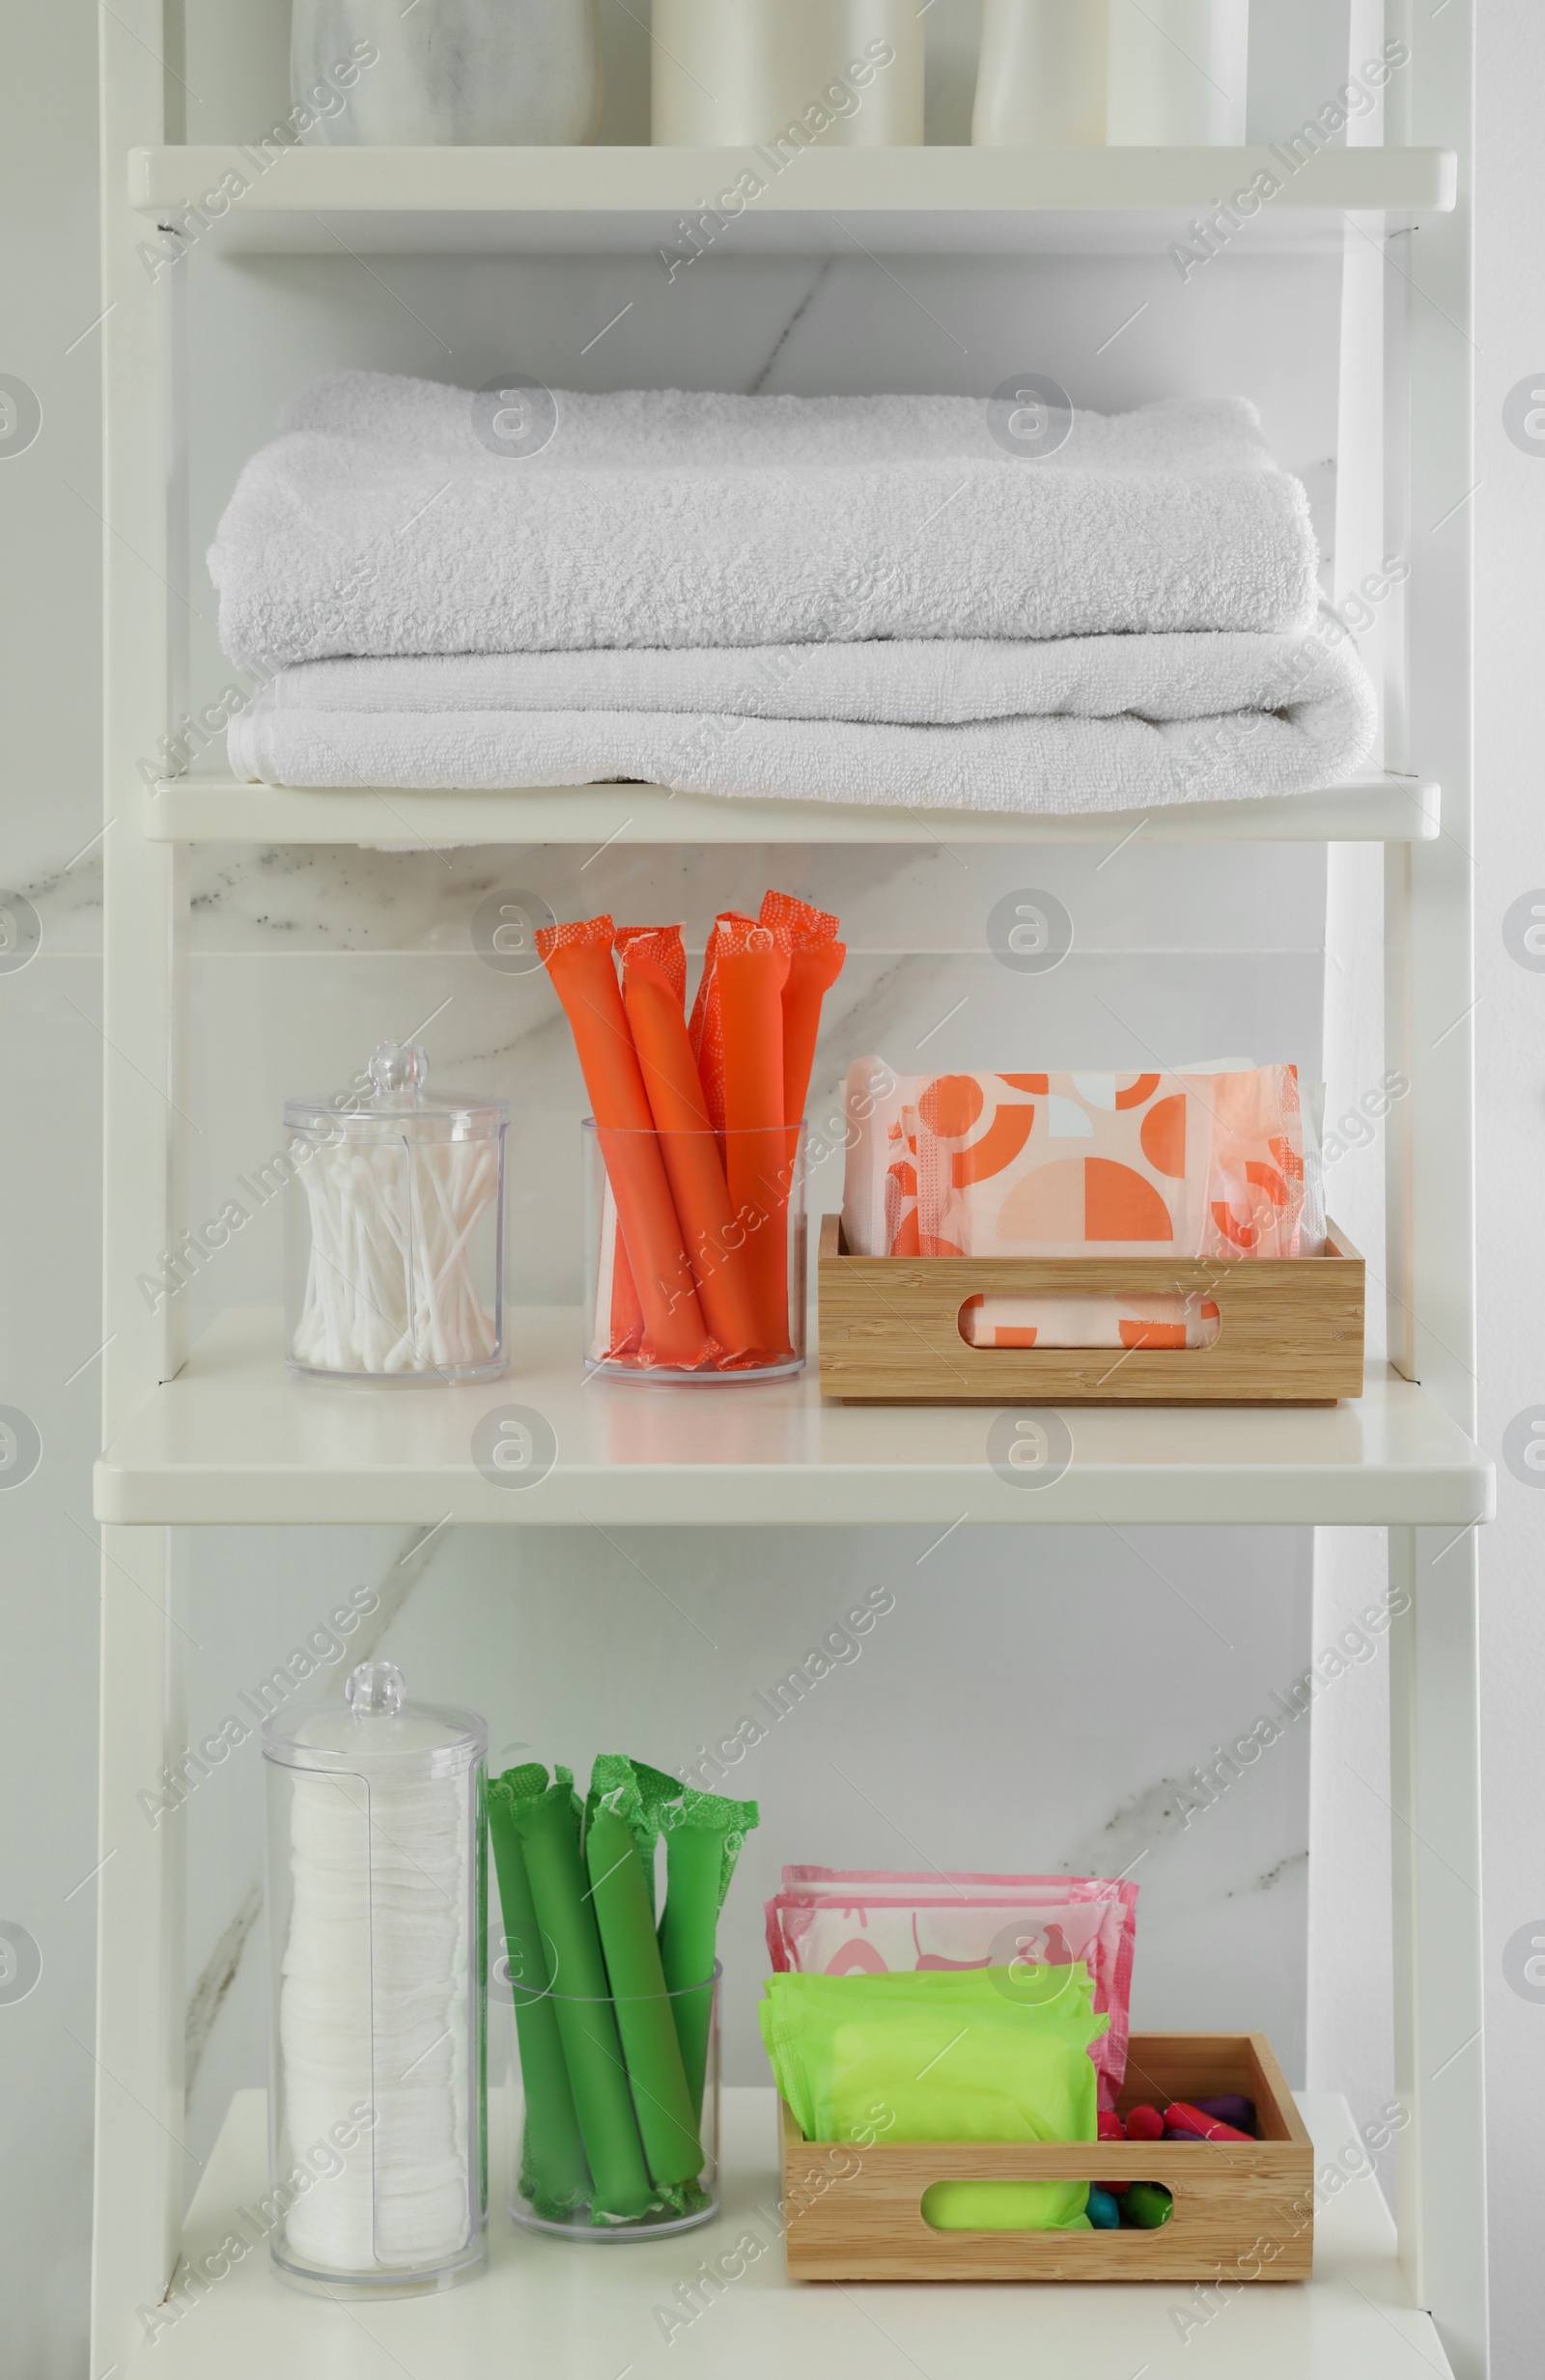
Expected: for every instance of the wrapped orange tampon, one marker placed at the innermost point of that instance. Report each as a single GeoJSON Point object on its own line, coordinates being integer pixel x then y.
{"type": "Point", "coordinates": [577, 956]}
{"type": "Point", "coordinates": [705, 1032]}
{"type": "Point", "coordinates": [814, 961]}
{"type": "Point", "coordinates": [751, 974]}
{"type": "Point", "coordinates": [654, 979]}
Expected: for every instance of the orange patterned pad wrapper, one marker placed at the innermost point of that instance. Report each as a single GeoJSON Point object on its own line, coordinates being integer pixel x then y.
{"type": "Point", "coordinates": [1072, 1165]}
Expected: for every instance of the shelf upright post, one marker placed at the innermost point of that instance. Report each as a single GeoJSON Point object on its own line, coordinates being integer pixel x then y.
{"type": "Point", "coordinates": [1434, 1677]}
{"type": "Point", "coordinates": [140, 1990]}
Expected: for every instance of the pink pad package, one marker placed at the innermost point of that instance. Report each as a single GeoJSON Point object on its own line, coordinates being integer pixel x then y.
{"type": "Point", "coordinates": [843, 1921]}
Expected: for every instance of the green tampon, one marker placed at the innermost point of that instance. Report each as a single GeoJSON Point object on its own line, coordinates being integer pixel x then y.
{"type": "Point", "coordinates": [554, 2174]}
{"type": "Point", "coordinates": [667, 2118]}
{"type": "Point", "coordinates": [548, 1828]}
{"type": "Point", "coordinates": [643, 1796]}
{"type": "Point", "coordinates": [703, 1839]}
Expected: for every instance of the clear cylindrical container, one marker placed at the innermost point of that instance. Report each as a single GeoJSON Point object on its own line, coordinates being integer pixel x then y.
{"type": "Point", "coordinates": [1178, 73]}
{"type": "Point", "coordinates": [378, 1929]}
{"type": "Point", "coordinates": [1041, 74]}
{"type": "Point", "coordinates": [730, 74]}
{"type": "Point", "coordinates": [490, 71]}
{"type": "Point", "coordinates": [394, 1229]}
{"type": "Point", "coordinates": [552, 2188]}
{"type": "Point", "coordinates": [694, 1253]}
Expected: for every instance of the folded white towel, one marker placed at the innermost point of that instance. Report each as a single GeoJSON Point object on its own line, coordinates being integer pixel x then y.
{"type": "Point", "coordinates": [381, 523]}
{"type": "Point", "coordinates": [1075, 726]}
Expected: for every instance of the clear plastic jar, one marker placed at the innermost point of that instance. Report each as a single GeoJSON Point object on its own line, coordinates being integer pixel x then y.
{"type": "Point", "coordinates": [543, 2198]}
{"type": "Point", "coordinates": [377, 1932]}
{"type": "Point", "coordinates": [729, 73]}
{"type": "Point", "coordinates": [394, 1230]}
{"type": "Point", "coordinates": [695, 1306]}
{"type": "Point", "coordinates": [490, 71]}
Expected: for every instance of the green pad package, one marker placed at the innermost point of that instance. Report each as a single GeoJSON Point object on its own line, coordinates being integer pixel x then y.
{"type": "Point", "coordinates": [667, 2118]}
{"type": "Point", "coordinates": [703, 1840]}
{"type": "Point", "coordinates": [555, 2175]}
{"type": "Point", "coordinates": [548, 1825]}
{"type": "Point", "coordinates": [945, 2056]}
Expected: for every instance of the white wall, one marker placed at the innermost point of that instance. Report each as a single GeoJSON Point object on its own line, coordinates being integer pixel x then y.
{"type": "Point", "coordinates": [50, 1295]}
{"type": "Point", "coordinates": [1510, 1027]}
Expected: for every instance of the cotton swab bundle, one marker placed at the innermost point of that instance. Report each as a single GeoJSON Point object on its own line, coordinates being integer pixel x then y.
{"type": "Point", "coordinates": [394, 1216]}
{"type": "Point", "coordinates": [389, 1285]}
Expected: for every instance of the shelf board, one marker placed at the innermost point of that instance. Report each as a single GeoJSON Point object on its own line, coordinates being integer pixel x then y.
{"type": "Point", "coordinates": [573, 2310]}
{"type": "Point", "coordinates": [903, 200]}
{"type": "Point", "coordinates": [1375, 808]}
{"type": "Point", "coordinates": [234, 1439]}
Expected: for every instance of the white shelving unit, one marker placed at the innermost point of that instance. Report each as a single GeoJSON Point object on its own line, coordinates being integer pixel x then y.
{"type": "Point", "coordinates": [232, 1439]}
{"type": "Point", "coordinates": [214, 1434]}
{"type": "Point", "coordinates": [1381, 808]}
{"type": "Point", "coordinates": [901, 200]}
{"type": "Point", "coordinates": [527, 2315]}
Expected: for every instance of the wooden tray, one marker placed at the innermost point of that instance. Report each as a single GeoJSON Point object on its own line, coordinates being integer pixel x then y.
{"type": "Point", "coordinates": [1290, 1331]}
{"type": "Point", "coordinates": [1244, 2210]}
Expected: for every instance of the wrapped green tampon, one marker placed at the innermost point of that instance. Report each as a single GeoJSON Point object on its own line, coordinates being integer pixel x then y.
{"type": "Point", "coordinates": [644, 1796]}
{"type": "Point", "coordinates": [703, 1839]}
{"type": "Point", "coordinates": [553, 2172]}
{"type": "Point", "coordinates": [548, 1825]}
{"type": "Point", "coordinates": [667, 2118]}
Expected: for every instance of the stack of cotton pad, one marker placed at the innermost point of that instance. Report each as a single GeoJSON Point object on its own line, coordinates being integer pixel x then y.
{"type": "Point", "coordinates": [373, 2014]}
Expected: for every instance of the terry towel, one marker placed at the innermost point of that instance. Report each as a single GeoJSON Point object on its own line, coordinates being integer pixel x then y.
{"type": "Point", "coordinates": [381, 523]}
{"type": "Point", "coordinates": [1077, 725]}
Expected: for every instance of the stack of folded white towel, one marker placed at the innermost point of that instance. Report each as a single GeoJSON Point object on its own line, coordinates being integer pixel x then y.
{"type": "Point", "coordinates": [845, 599]}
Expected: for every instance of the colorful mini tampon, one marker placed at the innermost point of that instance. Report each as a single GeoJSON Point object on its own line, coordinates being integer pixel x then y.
{"type": "Point", "coordinates": [1144, 2123]}
{"type": "Point", "coordinates": [1230, 2108]}
{"type": "Point", "coordinates": [1146, 2205]}
{"type": "Point", "coordinates": [1103, 2214]}
{"type": "Point", "coordinates": [1181, 2116]}
{"type": "Point", "coordinates": [1112, 2128]}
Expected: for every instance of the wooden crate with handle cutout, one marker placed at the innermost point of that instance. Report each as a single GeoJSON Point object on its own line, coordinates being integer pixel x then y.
{"type": "Point", "coordinates": [1290, 1329]}
{"type": "Point", "coordinates": [1243, 2209]}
